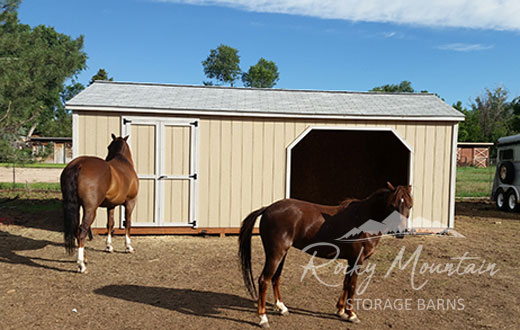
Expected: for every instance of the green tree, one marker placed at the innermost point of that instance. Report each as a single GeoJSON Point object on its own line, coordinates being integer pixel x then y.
{"type": "Point", "coordinates": [493, 112]}
{"type": "Point", "coordinates": [34, 65]}
{"type": "Point", "coordinates": [8, 7]}
{"type": "Point", "coordinates": [404, 87]}
{"type": "Point", "coordinates": [489, 118]}
{"type": "Point", "coordinates": [514, 106]}
{"type": "Point", "coordinates": [469, 129]}
{"type": "Point", "coordinates": [222, 64]}
{"type": "Point", "coordinates": [62, 123]}
{"type": "Point", "coordinates": [100, 75]}
{"type": "Point", "coordinates": [263, 74]}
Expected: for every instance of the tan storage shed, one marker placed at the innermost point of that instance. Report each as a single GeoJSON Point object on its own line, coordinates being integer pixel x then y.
{"type": "Point", "coordinates": [207, 156]}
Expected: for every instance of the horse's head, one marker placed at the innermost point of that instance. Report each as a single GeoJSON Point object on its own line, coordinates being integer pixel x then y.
{"type": "Point", "coordinates": [118, 146]}
{"type": "Point", "coordinates": [400, 199]}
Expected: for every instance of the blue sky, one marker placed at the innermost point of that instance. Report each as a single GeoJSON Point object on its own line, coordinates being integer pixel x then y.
{"type": "Point", "coordinates": [454, 48]}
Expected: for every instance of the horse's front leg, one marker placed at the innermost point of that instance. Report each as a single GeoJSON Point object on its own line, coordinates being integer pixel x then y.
{"type": "Point", "coordinates": [129, 207]}
{"type": "Point", "coordinates": [110, 229]}
{"type": "Point", "coordinates": [346, 300]}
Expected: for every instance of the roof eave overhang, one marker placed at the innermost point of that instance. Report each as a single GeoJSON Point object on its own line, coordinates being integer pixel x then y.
{"type": "Point", "coordinates": [236, 113]}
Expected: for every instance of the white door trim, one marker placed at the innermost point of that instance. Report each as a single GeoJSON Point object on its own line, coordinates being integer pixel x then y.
{"type": "Point", "coordinates": [160, 123]}
{"type": "Point", "coordinates": [346, 128]}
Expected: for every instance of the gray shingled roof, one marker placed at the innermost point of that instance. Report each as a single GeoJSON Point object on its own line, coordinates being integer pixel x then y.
{"type": "Point", "coordinates": [262, 101]}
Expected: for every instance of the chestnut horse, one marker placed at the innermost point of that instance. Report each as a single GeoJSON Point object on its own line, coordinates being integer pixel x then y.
{"type": "Point", "coordinates": [319, 230]}
{"type": "Point", "coordinates": [92, 182]}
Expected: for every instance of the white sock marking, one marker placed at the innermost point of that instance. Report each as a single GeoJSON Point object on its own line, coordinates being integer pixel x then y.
{"type": "Point", "coordinates": [263, 319]}
{"type": "Point", "coordinates": [81, 260]}
{"type": "Point", "coordinates": [129, 247]}
{"type": "Point", "coordinates": [281, 306]}
{"type": "Point", "coordinates": [81, 255]}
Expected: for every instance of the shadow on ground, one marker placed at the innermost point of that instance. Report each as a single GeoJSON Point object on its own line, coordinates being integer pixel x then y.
{"type": "Point", "coordinates": [483, 209]}
{"type": "Point", "coordinates": [30, 212]}
{"type": "Point", "coordinates": [194, 302]}
{"type": "Point", "coordinates": [10, 243]}
{"type": "Point", "coordinates": [186, 301]}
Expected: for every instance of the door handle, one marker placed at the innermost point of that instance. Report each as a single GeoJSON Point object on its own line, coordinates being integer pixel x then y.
{"type": "Point", "coordinates": [162, 177]}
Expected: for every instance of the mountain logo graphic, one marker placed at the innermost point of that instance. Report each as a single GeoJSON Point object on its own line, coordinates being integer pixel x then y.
{"type": "Point", "coordinates": [395, 223]}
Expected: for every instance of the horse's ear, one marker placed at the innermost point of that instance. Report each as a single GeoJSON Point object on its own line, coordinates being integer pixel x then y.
{"type": "Point", "coordinates": [410, 188]}
{"type": "Point", "coordinates": [126, 138]}
{"type": "Point", "coordinates": [113, 136]}
{"type": "Point", "coordinates": [390, 186]}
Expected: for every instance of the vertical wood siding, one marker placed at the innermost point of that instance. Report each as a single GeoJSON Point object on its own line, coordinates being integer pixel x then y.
{"type": "Point", "coordinates": [242, 163]}
{"type": "Point", "coordinates": [95, 131]}
{"type": "Point", "coordinates": [143, 145]}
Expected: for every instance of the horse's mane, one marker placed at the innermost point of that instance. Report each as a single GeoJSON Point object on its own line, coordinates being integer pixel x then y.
{"type": "Point", "coordinates": [123, 148]}
{"type": "Point", "coordinates": [398, 194]}
{"type": "Point", "coordinates": [346, 202]}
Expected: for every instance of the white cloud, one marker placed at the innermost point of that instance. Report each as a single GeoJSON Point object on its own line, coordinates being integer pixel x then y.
{"type": "Point", "coordinates": [393, 35]}
{"type": "Point", "coordinates": [462, 47]}
{"type": "Point", "coordinates": [389, 34]}
{"type": "Point", "coordinates": [480, 14]}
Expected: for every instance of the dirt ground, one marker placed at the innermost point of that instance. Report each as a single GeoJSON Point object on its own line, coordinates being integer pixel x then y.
{"type": "Point", "coordinates": [182, 282]}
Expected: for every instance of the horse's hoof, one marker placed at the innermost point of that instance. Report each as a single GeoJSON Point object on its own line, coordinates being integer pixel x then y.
{"type": "Point", "coordinates": [82, 270]}
{"type": "Point", "coordinates": [349, 318]}
{"type": "Point", "coordinates": [264, 323]}
{"type": "Point", "coordinates": [354, 319]}
{"type": "Point", "coordinates": [129, 249]}
{"type": "Point", "coordinates": [109, 249]}
{"type": "Point", "coordinates": [280, 307]}
{"type": "Point", "coordinates": [342, 315]}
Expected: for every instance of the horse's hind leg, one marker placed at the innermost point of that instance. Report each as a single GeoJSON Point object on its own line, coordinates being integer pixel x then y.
{"type": "Point", "coordinates": [279, 305]}
{"type": "Point", "coordinates": [89, 213]}
{"type": "Point", "coordinates": [271, 266]}
{"type": "Point", "coordinates": [129, 207]}
{"type": "Point", "coordinates": [345, 302]}
{"type": "Point", "coordinates": [110, 229]}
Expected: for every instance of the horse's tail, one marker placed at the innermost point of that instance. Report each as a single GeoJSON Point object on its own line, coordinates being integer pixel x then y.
{"type": "Point", "coordinates": [244, 250]}
{"type": "Point", "coordinates": [71, 204]}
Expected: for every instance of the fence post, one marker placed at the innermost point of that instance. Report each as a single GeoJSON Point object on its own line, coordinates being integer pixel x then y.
{"type": "Point", "coordinates": [14, 175]}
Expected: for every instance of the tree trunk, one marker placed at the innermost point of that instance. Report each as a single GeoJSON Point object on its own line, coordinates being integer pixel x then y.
{"type": "Point", "coordinates": [31, 131]}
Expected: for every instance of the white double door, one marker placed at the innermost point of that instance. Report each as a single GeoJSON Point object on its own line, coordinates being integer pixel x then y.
{"type": "Point", "coordinates": [165, 157]}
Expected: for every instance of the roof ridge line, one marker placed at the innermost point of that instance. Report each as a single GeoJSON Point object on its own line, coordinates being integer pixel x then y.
{"type": "Point", "coordinates": [261, 89]}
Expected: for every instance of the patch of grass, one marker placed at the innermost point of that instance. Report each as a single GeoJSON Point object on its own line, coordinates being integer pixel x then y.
{"type": "Point", "coordinates": [30, 201]}
{"type": "Point", "coordinates": [34, 165]}
{"type": "Point", "coordinates": [474, 182]}
{"type": "Point", "coordinates": [52, 186]}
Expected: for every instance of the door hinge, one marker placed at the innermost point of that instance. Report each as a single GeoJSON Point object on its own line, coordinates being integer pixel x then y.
{"type": "Point", "coordinates": [193, 176]}
{"type": "Point", "coordinates": [126, 121]}
{"type": "Point", "coordinates": [195, 123]}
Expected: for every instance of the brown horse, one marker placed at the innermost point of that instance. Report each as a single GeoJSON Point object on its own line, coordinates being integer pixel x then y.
{"type": "Point", "coordinates": [321, 231]}
{"type": "Point", "coordinates": [92, 182]}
